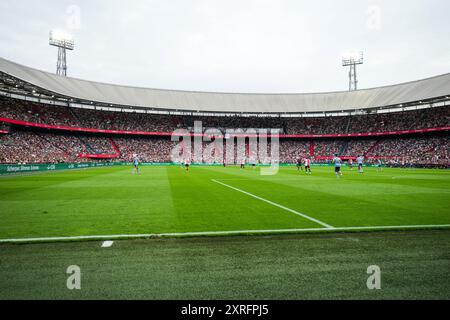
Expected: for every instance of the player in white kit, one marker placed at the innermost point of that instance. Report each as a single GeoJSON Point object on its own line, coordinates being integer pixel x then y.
{"type": "Point", "coordinates": [307, 165]}
{"type": "Point", "coordinates": [360, 161]}
{"type": "Point", "coordinates": [379, 165]}
{"type": "Point", "coordinates": [243, 163]}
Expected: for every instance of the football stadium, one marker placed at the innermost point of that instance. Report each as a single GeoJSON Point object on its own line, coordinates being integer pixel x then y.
{"type": "Point", "coordinates": [183, 194]}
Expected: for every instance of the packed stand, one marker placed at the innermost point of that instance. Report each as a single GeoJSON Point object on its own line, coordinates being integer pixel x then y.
{"type": "Point", "coordinates": [130, 121]}
{"type": "Point", "coordinates": [23, 146]}
{"type": "Point", "coordinates": [414, 151]}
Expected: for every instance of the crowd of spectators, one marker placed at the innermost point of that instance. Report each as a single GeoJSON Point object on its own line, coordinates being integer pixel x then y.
{"type": "Point", "coordinates": [36, 112]}
{"type": "Point", "coordinates": [291, 150]}
{"type": "Point", "coordinates": [129, 121]}
{"type": "Point", "coordinates": [434, 150]}
{"type": "Point", "coordinates": [328, 147]}
{"type": "Point", "coordinates": [21, 146]}
{"type": "Point", "coordinates": [149, 149]}
{"type": "Point", "coordinates": [4, 127]}
{"type": "Point", "coordinates": [27, 146]}
{"type": "Point", "coordinates": [343, 147]}
{"type": "Point", "coordinates": [97, 145]}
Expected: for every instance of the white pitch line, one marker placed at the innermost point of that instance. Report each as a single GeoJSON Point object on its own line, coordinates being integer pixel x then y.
{"type": "Point", "coordinates": [107, 244]}
{"type": "Point", "coordinates": [218, 233]}
{"type": "Point", "coordinates": [277, 205]}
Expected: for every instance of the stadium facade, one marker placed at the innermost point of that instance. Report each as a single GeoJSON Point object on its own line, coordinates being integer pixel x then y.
{"type": "Point", "coordinates": [46, 118]}
{"type": "Point", "coordinates": [22, 80]}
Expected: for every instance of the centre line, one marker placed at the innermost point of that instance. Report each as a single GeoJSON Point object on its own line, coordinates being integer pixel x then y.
{"type": "Point", "coordinates": [276, 205]}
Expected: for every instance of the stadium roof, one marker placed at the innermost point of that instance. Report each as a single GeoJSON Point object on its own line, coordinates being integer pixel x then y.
{"type": "Point", "coordinates": [194, 101]}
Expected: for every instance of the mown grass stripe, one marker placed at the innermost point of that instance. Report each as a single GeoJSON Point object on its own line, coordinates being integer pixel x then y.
{"type": "Point", "coordinates": [277, 205]}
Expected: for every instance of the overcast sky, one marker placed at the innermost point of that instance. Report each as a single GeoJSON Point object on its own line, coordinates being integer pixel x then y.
{"type": "Point", "coordinates": [233, 45]}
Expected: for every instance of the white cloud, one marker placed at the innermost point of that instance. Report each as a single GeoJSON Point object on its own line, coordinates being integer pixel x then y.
{"type": "Point", "coordinates": [246, 45]}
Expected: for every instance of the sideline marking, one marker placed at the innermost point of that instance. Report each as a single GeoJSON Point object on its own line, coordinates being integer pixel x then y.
{"type": "Point", "coordinates": [277, 205]}
{"type": "Point", "coordinates": [107, 244]}
{"type": "Point", "coordinates": [213, 233]}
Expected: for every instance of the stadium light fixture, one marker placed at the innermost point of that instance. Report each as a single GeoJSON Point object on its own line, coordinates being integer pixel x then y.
{"type": "Point", "coordinates": [351, 59]}
{"type": "Point", "coordinates": [63, 41]}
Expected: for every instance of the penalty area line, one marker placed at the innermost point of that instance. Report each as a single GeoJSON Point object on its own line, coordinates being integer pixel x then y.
{"type": "Point", "coordinates": [277, 205]}
{"type": "Point", "coordinates": [222, 233]}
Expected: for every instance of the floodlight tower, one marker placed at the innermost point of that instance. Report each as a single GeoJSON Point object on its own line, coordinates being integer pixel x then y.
{"type": "Point", "coordinates": [352, 59]}
{"type": "Point", "coordinates": [63, 41]}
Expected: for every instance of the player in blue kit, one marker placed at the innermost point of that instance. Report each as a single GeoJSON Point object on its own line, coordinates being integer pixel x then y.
{"type": "Point", "coordinates": [337, 165]}
{"type": "Point", "coordinates": [136, 164]}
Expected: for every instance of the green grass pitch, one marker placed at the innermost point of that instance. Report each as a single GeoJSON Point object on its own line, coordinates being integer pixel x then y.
{"type": "Point", "coordinates": [216, 200]}
{"type": "Point", "coordinates": [413, 264]}
{"type": "Point", "coordinates": [111, 201]}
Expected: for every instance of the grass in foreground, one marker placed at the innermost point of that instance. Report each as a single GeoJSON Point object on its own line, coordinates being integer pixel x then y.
{"type": "Point", "coordinates": [414, 265]}
{"type": "Point", "coordinates": [167, 199]}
